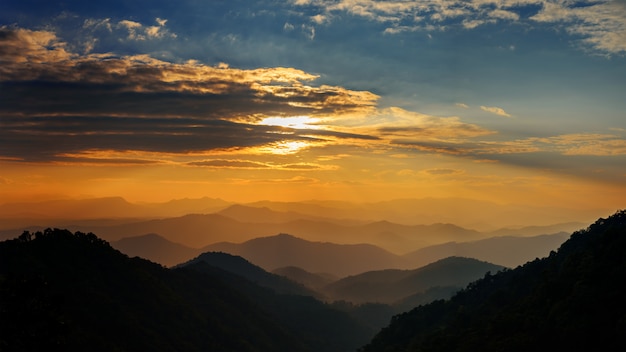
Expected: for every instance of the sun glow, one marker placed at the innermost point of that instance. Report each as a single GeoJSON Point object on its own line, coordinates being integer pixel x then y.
{"type": "Point", "coordinates": [299, 122]}
{"type": "Point", "coordinates": [285, 147]}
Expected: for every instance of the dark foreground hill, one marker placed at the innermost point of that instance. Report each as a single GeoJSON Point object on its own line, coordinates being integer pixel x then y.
{"type": "Point", "coordinates": [73, 292]}
{"type": "Point", "coordinates": [572, 300]}
{"type": "Point", "coordinates": [241, 267]}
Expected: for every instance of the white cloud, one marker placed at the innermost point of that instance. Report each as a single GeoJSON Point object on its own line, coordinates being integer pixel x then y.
{"type": "Point", "coordinates": [139, 32]}
{"type": "Point", "coordinates": [495, 110]}
{"type": "Point", "coordinates": [598, 24]}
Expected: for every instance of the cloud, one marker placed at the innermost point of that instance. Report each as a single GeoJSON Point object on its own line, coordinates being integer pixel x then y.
{"type": "Point", "coordinates": [234, 164]}
{"type": "Point", "coordinates": [593, 144]}
{"type": "Point", "coordinates": [59, 103]}
{"type": "Point", "coordinates": [495, 110]}
{"type": "Point", "coordinates": [599, 24]}
{"type": "Point", "coordinates": [443, 172]}
{"type": "Point", "coordinates": [462, 105]}
{"type": "Point", "coordinates": [138, 31]}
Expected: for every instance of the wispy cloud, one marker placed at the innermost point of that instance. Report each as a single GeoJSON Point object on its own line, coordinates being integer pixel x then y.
{"type": "Point", "coordinates": [495, 110]}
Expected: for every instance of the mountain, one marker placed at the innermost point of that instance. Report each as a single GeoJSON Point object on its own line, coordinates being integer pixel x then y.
{"type": "Point", "coordinates": [64, 291]}
{"type": "Point", "coordinates": [527, 231]}
{"type": "Point", "coordinates": [155, 248]}
{"type": "Point", "coordinates": [310, 280]}
{"type": "Point", "coordinates": [508, 251]}
{"type": "Point", "coordinates": [74, 292]}
{"type": "Point", "coordinates": [193, 230]}
{"type": "Point", "coordinates": [111, 207]}
{"type": "Point", "coordinates": [239, 266]}
{"type": "Point", "coordinates": [467, 213]}
{"type": "Point", "coordinates": [572, 300]}
{"type": "Point", "coordinates": [180, 207]}
{"type": "Point", "coordinates": [389, 286]}
{"type": "Point", "coordinates": [245, 213]}
{"type": "Point", "coordinates": [285, 250]}
{"type": "Point", "coordinates": [198, 230]}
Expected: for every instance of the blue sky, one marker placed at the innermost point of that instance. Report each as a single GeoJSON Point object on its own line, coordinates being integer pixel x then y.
{"type": "Point", "coordinates": [532, 84]}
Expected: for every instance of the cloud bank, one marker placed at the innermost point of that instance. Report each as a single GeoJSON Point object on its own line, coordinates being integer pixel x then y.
{"type": "Point", "coordinates": [600, 24]}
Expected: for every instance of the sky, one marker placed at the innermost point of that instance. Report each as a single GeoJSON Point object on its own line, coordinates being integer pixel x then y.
{"type": "Point", "coordinates": [511, 101]}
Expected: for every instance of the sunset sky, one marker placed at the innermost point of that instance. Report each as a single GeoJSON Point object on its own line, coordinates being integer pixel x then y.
{"type": "Point", "coordinates": [512, 101]}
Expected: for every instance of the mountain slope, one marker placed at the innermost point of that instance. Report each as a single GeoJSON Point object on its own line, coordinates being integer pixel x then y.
{"type": "Point", "coordinates": [64, 291]}
{"type": "Point", "coordinates": [572, 300]}
{"type": "Point", "coordinates": [390, 286]}
{"type": "Point", "coordinates": [508, 251]}
{"type": "Point", "coordinates": [239, 266]}
{"type": "Point", "coordinates": [285, 250]}
{"type": "Point", "coordinates": [73, 292]}
{"type": "Point", "coordinates": [310, 280]}
{"type": "Point", "coordinates": [155, 248]}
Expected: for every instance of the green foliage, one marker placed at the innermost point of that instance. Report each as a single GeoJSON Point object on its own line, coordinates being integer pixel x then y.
{"type": "Point", "coordinates": [572, 300]}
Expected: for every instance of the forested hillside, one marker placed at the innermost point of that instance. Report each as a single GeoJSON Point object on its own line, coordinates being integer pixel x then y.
{"type": "Point", "coordinates": [572, 300]}
{"type": "Point", "coordinates": [73, 292]}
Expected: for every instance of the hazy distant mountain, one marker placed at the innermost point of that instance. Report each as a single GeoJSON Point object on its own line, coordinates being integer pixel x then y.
{"type": "Point", "coordinates": [390, 286]}
{"type": "Point", "coordinates": [284, 250]}
{"type": "Point", "coordinates": [194, 230]}
{"type": "Point", "coordinates": [198, 230]}
{"type": "Point", "coordinates": [179, 207]}
{"type": "Point", "coordinates": [572, 300]}
{"type": "Point", "coordinates": [508, 251]}
{"type": "Point", "coordinates": [471, 214]}
{"type": "Point", "coordinates": [112, 207]}
{"type": "Point", "coordinates": [239, 266]}
{"type": "Point", "coordinates": [467, 213]}
{"type": "Point", "coordinates": [310, 280]}
{"type": "Point", "coordinates": [244, 213]}
{"type": "Point", "coordinates": [567, 227]}
{"type": "Point", "coordinates": [108, 208]}
{"type": "Point", "coordinates": [155, 248]}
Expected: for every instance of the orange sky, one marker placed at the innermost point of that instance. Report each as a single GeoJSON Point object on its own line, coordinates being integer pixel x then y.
{"type": "Point", "coordinates": [97, 124]}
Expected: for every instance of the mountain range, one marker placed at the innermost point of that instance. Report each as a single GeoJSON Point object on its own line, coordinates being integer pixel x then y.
{"type": "Point", "coordinates": [279, 251]}
{"type": "Point", "coordinates": [471, 214]}
{"type": "Point", "coordinates": [73, 292]}
{"type": "Point", "coordinates": [392, 285]}
{"type": "Point", "coordinates": [572, 300]}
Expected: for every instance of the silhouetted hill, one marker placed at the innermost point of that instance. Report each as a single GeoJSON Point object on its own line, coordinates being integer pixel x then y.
{"type": "Point", "coordinates": [572, 300]}
{"type": "Point", "coordinates": [239, 266]}
{"type": "Point", "coordinates": [390, 286]}
{"type": "Point", "coordinates": [285, 250]}
{"type": "Point", "coordinates": [155, 248]}
{"type": "Point", "coordinates": [508, 251]}
{"type": "Point", "coordinates": [73, 292]}
{"type": "Point", "coordinates": [310, 280]}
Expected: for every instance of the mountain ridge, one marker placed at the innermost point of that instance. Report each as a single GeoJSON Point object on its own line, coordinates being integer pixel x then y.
{"type": "Point", "coordinates": [571, 300]}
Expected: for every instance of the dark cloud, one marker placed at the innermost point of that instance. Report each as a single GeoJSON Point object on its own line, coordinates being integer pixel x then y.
{"type": "Point", "coordinates": [55, 102]}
